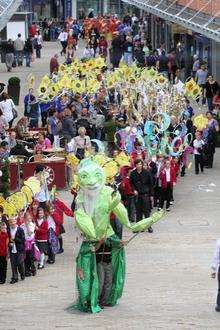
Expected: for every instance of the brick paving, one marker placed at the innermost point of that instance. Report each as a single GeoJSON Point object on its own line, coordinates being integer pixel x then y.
{"type": "Point", "coordinates": [168, 283]}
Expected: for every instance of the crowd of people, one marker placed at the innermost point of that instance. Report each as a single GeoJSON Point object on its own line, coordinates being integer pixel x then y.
{"type": "Point", "coordinates": [156, 147]}
{"type": "Point", "coordinates": [34, 233]}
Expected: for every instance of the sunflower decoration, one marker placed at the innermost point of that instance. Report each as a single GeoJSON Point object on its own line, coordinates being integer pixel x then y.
{"type": "Point", "coordinates": [200, 122]}
{"type": "Point", "coordinates": [31, 81]}
{"type": "Point", "coordinates": [65, 82]}
{"type": "Point", "coordinates": [18, 200]}
{"type": "Point", "coordinates": [196, 92]}
{"type": "Point", "coordinates": [28, 193]}
{"type": "Point", "coordinates": [92, 86]}
{"type": "Point", "coordinates": [9, 209]}
{"type": "Point", "coordinates": [110, 81]}
{"type": "Point", "coordinates": [78, 86]}
{"type": "Point", "coordinates": [122, 159]}
{"type": "Point", "coordinates": [101, 159]}
{"type": "Point", "coordinates": [160, 79]}
{"type": "Point", "coordinates": [62, 69]}
{"type": "Point", "coordinates": [189, 86]}
{"type": "Point", "coordinates": [99, 63]}
{"type": "Point", "coordinates": [132, 80]}
{"type": "Point", "coordinates": [149, 74]}
{"type": "Point", "coordinates": [34, 184]}
{"type": "Point", "coordinates": [111, 170]}
{"type": "Point", "coordinates": [72, 160]}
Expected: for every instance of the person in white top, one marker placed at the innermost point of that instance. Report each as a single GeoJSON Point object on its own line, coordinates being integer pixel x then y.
{"type": "Point", "coordinates": [7, 105]}
{"type": "Point", "coordinates": [198, 145]}
{"type": "Point", "coordinates": [63, 38]}
{"type": "Point", "coordinates": [215, 270]}
{"type": "Point", "coordinates": [29, 228]}
{"type": "Point", "coordinates": [38, 42]}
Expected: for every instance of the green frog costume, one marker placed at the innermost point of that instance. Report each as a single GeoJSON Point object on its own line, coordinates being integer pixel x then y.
{"type": "Point", "coordinates": [94, 203]}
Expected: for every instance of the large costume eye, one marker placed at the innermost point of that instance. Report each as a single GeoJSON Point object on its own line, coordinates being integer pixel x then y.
{"type": "Point", "coordinates": [83, 176]}
{"type": "Point", "coordinates": [98, 175]}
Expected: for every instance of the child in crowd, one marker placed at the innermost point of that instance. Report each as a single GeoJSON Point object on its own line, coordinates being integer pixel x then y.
{"type": "Point", "coordinates": [41, 236]}
{"type": "Point", "coordinates": [128, 194]}
{"type": "Point", "coordinates": [17, 250]}
{"type": "Point", "coordinates": [4, 240]}
{"type": "Point", "coordinates": [198, 145]}
{"type": "Point", "coordinates": [61, 208]}
{"type": "Point", "coordinates": [29, 228]}
{"type": "Point", "coordinates": [54, 222]}
{"type": "Point", "coordinates": [168, 180]}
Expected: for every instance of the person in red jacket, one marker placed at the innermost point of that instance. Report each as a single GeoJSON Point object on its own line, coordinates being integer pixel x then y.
{"type": "Point", "coordinates": [168, 180]}
{"type": "Point", "coordinates": [41, 235]}
{"type": "Point", "coordinates": [61, 208]}
{"type": "Point", "coordinates": [4, 240]}
{"type": "Point", "coordinates": [128, 194]}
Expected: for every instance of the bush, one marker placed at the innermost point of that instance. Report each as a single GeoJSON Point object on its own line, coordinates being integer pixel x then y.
{"type": "Point", "coordinates": [14, 81]}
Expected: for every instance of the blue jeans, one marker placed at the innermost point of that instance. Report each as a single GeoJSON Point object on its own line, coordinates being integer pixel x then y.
{"type": "Point", "coordinates": [210, 104]}
{"type": "Point", "coordinates": [52, 34]}
{"type": "Point", "coordinates": [28, 59]}
{"type": "Point", "coordinates": [19, 57]}
{"type": "Point", "coordinates": [128, 58]}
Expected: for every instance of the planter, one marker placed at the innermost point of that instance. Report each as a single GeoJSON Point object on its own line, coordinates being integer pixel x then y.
{"type": "Point", "coordinates": [14, 89]}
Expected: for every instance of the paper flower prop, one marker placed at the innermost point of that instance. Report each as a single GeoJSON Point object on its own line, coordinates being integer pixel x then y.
{"type": "Point", "coordinates": [31, 81]}
{"type": "Point", "coordinates": [9, 209]}
{"type": "Point", "coordinates": [72, 160]}
{"type": "Point", "coordinates": [18, 200]}
{"type": "Point", "coordinates": [111, 169]}
{"type": "Point", "coordinates": [28, 193]}
{"type": "Point", "coordinates": [200, 122]}
{"type": "Point", "coordinates": [34, 184]}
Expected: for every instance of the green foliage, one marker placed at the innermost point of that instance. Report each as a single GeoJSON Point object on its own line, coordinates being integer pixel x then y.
{"type": "Point", "coordinates": [14, 81]}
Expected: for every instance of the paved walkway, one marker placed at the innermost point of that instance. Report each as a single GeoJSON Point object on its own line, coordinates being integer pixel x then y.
{"type": "Point", "coordinates": [168, 284]}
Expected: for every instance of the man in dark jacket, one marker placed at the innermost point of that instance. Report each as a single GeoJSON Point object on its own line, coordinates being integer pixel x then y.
{"type": "Point", "coordinates": [142, 184]}
{"type": "Point", "coordinates": [17, 250]}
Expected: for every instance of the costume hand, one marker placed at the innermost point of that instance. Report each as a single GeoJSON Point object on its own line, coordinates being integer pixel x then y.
{"type": "Point", "coordinates": [135, 192]}
{"type": "Point", "coordinates": [213, 275]}
{"type": "Point", "coordinates": [80, 274]}
{"type": "Point", "coordinates": [123, 243]}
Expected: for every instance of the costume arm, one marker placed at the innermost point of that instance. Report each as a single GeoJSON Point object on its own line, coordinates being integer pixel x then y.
{"type": "Point", "coordinates": [121, 213]}
{"type": "Point", "coordinates": [85, 224]}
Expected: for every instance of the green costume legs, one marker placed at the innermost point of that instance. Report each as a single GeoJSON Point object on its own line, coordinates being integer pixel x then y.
{"type": "Point", "coordinates": [104, 280]}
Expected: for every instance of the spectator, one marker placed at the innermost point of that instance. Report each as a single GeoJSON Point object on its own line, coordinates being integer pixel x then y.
{"type": "Point", "coordinates": [41, 236]}
{"type": "Point", "coordinates": [54, 64]}
{"type": "Point", "coordinates": [42, 144]}
{"type": "Point", "coordinates": [9, 55]}
{"type": "Point", "coordinates": [19, 50]}
{"type": "Point", "coordinates": [4, 241]}
{"type": "Point", "coordinates": [68, 126]}
{"type": "Point", "coordinates": [63, 38]}
{"type": "Point", "coordinates": [82, 143]}
{"type": "Point", "coordinates": [162, 64]}
{"type": "Point", "coordinates": [28, 52]}
{"type": "Point", "coordinates": [128, 51]}
{"type": "Point", "coordinates": [7, 107]}
{"type": "Point", "coordinates": [201, 77]}
{"type": "Point", "coordinates": [54, 126]}
{"type": "Point", "coordinates": [3, 125]}
{"type": "Point", "coordinates": [29, 231]}
{"type": "Point", "coordinates": [211, 89]}
{"type": "Point", "coordinates": [17, 250]}
{"type": "Point", "coordinates": [38, 43]}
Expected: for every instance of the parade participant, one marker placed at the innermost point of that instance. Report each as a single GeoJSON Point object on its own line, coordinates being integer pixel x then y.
{"type": "Point", "coordinates": [29, 229]}
{"type": "Point", "coordinates": [210, 136]}
{"type": "Point", "coordinates": [198, 145]}
{"type": "Point", "coordinates": [17, 250]}
{"type": "Point", "coordinates": [168, 180]}
{"type": "Point", "coordinates": [4, 240]}
{"type": "Point", "coordinates": [41, 236]}
{"type": "Point", "coordinates": [142, 184]}
{"type": "Point", "coordinates": [94, 203]}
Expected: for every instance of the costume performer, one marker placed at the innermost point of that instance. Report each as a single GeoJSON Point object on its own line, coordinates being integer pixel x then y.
{"type": "Point", "coordinates": [94, 203]}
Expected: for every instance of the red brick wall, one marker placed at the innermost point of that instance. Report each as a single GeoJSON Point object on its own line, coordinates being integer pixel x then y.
{"type": "Point", "coordinates": [213, 7]}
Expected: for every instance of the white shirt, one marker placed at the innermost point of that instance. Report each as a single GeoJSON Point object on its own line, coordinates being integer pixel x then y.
{"type": "Point", "coordinates": [196, 145]}
{"type": "Point", "coordinates": [28, 230]}
{"type": "Point", "coordinates": [6, 107]}
{"type": "Point", "coordinates": [63, 36]}
{"type": "Point", "coordinates": [167, 170]}
{"type": "Point", "coordinates": [216, 259]}
{"type": "Point", "coordinates": [13, 232]}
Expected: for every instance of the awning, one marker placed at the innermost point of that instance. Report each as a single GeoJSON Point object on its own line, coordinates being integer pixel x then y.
{"type": "Point", "coordinates": [205, 21]}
